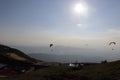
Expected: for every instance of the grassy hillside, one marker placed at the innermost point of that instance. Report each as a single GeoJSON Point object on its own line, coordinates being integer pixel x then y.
{"type": "Point", "coordinates": [106, 71]}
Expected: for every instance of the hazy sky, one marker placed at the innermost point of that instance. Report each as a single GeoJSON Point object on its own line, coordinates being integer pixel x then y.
{"type": "Point", "coordinates": [41, 22]}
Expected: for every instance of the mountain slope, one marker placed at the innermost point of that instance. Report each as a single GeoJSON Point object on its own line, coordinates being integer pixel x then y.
{"type": "Point", "coordinates": [10, 55]}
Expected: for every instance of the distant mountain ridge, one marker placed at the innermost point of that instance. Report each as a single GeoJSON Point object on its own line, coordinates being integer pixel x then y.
{"type": "Point", "coordinates": [64, 58]}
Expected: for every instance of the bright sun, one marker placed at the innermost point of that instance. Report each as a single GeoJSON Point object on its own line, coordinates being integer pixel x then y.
{"type": "Point", "coordinates": [81, 9]}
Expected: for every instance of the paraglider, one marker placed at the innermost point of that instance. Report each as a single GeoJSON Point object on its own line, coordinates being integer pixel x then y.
{"type": "Point", "coordinates": [51, 45]}
{"type": "Point", "coordinates": [112, 43]}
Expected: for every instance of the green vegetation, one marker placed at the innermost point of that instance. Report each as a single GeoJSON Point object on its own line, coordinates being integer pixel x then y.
{"type": "Point", "coordinates": [105, 71]}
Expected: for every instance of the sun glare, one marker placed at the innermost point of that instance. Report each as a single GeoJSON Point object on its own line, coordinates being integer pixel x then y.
{"type": "Point", "coordinates": [80, 8]}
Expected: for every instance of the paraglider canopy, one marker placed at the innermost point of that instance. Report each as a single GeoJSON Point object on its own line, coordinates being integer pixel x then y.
{"type": "Point", "coordinates": [51, 45]}
{"type": "Point", "coordinates": [112, 43]}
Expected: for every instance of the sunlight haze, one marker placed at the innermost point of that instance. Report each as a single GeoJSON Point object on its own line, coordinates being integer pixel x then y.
{"type": "Point", "coordinates": [68, 23]}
